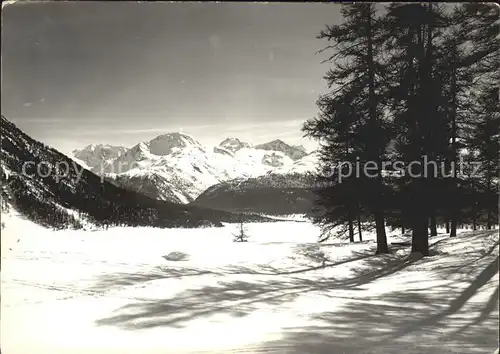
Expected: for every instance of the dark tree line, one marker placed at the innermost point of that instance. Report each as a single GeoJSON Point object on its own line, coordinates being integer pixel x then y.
{"type": "Point", "coordinates": [413, 85]}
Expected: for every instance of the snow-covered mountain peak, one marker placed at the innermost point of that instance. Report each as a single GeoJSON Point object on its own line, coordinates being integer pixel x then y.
{"type": "Point", "coordinates": [293, 152]}
{"type": "Point", "coordinates": [233, 144]}
{"type": "Point", "coordinates": [94, 155]}
{"type": "Point", "coordinates": [300, 147]}
{"type": "Point", "coordinates": [166, 143]}
{"type": "Point", "coordinates": [140, 151]}
{"type": "Point", "coordinates": [276, 145]}
{"type": "Point", "coordinates": [98, 147]}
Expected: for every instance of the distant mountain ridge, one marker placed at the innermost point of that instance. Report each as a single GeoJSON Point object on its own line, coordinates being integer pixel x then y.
{"type": "Point", "coordinates": [271, 194]}
{"type": "Point", "coordinates": [294, 152]}
{"type": "Point", "coordinates": [176, 167]}
{"type": "Point", "coordinates": [95, 155]}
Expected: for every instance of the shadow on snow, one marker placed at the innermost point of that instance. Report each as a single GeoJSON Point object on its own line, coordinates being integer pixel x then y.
{"type": "Point", "coordinates": [381, 321]}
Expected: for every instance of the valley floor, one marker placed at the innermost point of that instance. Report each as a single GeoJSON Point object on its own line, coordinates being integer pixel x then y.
{"type": "Point", "coordinates": [116, 291]}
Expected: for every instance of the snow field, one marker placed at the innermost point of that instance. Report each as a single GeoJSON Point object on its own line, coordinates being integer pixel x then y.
{"type": "Point", "coordinates": [114, 292]}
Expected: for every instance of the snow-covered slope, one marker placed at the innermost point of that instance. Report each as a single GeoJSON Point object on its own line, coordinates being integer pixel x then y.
{"type": "Point", "coordinates": [116, 291]}
{"type": "Point", "coordinates": [176, 167]}
{"type": "Point", "coordinates": [306, 164]}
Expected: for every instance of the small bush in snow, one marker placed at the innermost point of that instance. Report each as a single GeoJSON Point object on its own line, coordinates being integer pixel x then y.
{"type": "Point", "coordinates": [241, 236]}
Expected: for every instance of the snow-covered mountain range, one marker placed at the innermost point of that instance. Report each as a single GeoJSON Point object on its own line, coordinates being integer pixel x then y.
{"type": "Point", "coordinates": [176, 167]}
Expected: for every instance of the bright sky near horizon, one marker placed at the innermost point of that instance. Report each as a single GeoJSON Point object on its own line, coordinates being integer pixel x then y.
{"type": "Point", "coordinates": [124, 72]}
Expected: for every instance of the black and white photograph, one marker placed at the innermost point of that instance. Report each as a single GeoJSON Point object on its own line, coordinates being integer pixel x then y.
{"type": "Point", "coordinates": [249, 177]}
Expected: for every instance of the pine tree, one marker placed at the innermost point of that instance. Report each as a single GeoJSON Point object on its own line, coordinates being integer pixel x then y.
{"type": "Point", "coordinates": [480, 26]}
{"type": "Point", "coordinates": [419, 124]}
{"type": "Point", "coordinates": [350, 124]}
{"type": "Point", "coordinates": [484, 144]}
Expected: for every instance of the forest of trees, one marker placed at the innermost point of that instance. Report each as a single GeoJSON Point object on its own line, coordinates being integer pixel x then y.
{"type": "Point", "coordinates": [409, 82]}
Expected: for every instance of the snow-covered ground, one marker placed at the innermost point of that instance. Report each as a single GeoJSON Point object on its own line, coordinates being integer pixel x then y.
{"type": "Point", "coordinates": [115, 292]}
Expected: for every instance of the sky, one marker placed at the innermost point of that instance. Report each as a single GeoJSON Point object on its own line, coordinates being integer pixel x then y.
{"type": "Point", "coordinates": [76, 73]}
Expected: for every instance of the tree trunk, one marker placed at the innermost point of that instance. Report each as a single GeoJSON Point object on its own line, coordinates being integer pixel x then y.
{"type": "Point", "coordinates": [351, 230]}
{"type": "Point", "coordinates": [488, 193]}
{"type": "Point", "coordinates": [420, 239]}
{"type": "Point", "coordinates": [374, 119]}
{"type": "Point", "coordinates": [420, 216]}
{"type": "Point", "coordinates": [403, 231]}
{"type": "Point", "coordinates": [431, 107]}
{"type": "Point", "coordinates": [474, 218]}
{"type": "Point", "coordinates": [419, 185]}
{"type": "Point", "coordinates": [359, 228]}
{"type": "Point", "coordinates": [447, 226]}
{"type": "Point", "coordinates": [454, 213]}
{"type": "Point", "coordinates": [453, 225]}
{"type": "Point", "coordinates": [381, 235]}
{"type": "Point", "coordinates": [433, 225]}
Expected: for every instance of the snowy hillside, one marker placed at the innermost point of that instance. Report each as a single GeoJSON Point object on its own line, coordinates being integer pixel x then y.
{"type": "Point", "coordinates": [271, 194]}
{"type": "Point", "coordinates": [176, 167]}
{"type": "Point", "coordinates": [115, 292]}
